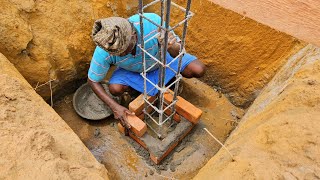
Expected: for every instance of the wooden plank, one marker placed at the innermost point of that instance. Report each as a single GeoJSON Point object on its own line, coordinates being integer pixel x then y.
{"type": "Point", "coordinates": [299, 18]}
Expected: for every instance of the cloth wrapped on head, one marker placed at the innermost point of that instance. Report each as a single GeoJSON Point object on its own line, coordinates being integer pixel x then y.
{"type": "Point", "coordinates": [112, 34]}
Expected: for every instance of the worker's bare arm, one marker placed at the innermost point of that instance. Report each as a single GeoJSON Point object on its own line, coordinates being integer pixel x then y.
{"type": "Point", "coordinates": [119, 111]}
{"type": "Point", "coordinates": [174, 48]}
{"type": "Point", "coordinates": [173, 44]}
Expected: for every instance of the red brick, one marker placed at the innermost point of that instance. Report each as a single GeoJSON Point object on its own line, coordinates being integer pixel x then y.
{"type": "Point", "coordinates": [138, 127]}
{"type": "Point", "coordinates": [157, 160]}
{"type": "Point", "coordinates": [121, 128]}
{"type": "Point", "coordinates": [134, 137]}
{"type": "Point", "coordinates": [141, 116]}
{"type": "Point", "coordinates": [154, 158]}
{"type": "Point", "coordinates": [176, 116]}
{"type": "Point", "coordinates": [185, 108]}
{"type": "Point", "coordinates": [137, 105]}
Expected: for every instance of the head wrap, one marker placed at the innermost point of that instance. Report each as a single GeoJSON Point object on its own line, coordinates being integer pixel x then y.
{"type": "Point", "coordinates": [112, 34]}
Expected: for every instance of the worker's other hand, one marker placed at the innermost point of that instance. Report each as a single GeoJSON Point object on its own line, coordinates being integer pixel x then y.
{"type": "Point", "coordinates": [121, 114]}
{"type": "Point", "coordinates": [172, 40]}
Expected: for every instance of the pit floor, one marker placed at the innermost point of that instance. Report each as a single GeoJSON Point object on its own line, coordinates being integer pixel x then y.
{"type": "Point", "coordinates": [123, 159]}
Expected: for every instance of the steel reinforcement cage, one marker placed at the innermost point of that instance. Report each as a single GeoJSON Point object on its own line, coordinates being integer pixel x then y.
{"type": "Point", "coordinates": [162, 106]}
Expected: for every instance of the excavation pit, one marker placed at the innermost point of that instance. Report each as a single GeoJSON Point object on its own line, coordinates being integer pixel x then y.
{"type": "Point", "coordinates": [116, 151]}
{"type": "Point", "coordinates": [246, 61]}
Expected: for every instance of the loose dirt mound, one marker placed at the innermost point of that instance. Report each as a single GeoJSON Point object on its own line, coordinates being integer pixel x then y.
{"type": "Point", "coordinates": [279, 136]}
{"type": "Point", "coordinates": [35, 142]}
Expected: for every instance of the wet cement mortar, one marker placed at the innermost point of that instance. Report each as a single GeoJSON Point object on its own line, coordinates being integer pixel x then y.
{"type": "Point", "coordinates": [126, 159]}
{"type": "Point", "coordinates": [89, 105]}
{"type": "Point", "coordinates": [159, 147]}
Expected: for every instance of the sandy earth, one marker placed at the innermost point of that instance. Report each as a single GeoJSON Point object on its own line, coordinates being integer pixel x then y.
{"type": "Point", "coordinates": [123, 158]}
{"type": "Point", "coordinates": [278, 138]}
{"type": "Point", "coordinates": [241, 54]}
{"type": "Point", "coordinates": [35, 142]}
{"type": "Point", "coordinates": [50, 40]}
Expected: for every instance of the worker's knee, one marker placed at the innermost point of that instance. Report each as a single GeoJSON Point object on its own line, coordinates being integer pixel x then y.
{"type": "Point", "coordinates": [194, 69]}
{"type": "Point", "coordinates": [117, 89]}
{"type": "Point", "coordinates": [199, 70]}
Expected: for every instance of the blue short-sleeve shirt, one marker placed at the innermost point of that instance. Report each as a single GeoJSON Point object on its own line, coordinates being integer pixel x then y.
{"type": "Point", "coordinates": [102, 60]}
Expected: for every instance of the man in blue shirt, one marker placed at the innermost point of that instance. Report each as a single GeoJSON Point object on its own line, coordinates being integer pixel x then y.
{"type": "Point", "coordinates": [116, 39]}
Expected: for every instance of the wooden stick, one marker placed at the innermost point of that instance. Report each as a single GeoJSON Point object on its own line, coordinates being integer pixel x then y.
{"type": "Point", "coordinates": [37, 86]}
{"type": "Point", "coordinates": [166, 177]}
{"type": "Point", "coordinates": [218, 142]}
{"type": "Point", "coordinates": [51, 93]}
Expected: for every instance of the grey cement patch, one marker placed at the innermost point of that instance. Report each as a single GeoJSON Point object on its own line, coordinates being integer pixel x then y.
{"type": "Point", "coordinates": [159, 147]}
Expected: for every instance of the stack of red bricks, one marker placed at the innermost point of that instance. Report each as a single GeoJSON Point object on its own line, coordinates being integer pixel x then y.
{"type": "Point", "coordinates": [138, 126]}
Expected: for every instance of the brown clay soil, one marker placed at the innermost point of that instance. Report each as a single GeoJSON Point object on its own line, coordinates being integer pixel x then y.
{"type": "Point", "coordinates": [278, 138]}
{"type": "Point", "coordinates": [50, 40]}
{"type": "Point", "coordinates": [125, 160]}
{"type": "Point", "coordinates": [241, 54]}
{"type": "Point", "coordinates": [35, 142]}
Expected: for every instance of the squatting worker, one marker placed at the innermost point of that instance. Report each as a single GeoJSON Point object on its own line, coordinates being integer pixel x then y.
{"type": "Point", "coordinates": [116, 39]}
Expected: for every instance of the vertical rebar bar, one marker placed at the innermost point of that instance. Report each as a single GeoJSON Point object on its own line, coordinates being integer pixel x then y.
{"type": "Point", "coordinates": [143, 57]}
{"type": "Point", "coordinates": [161, 11]}
{"type": "Point", "coordinates": [160, 49]}
{"type": "Point", "coordinates": [164, 61]}
{"type": "Point", "coordinates": [181, 49]}
{"type": "Point", "coordinates": [160, 53]}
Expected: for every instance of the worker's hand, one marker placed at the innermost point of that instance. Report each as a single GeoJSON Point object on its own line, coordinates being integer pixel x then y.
{"type": "Point", "coordinates": [172, 40]}
{"type": "Point", "coordinates": [121, 114]}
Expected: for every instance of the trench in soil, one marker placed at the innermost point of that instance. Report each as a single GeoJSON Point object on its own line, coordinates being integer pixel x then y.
{"type": "Point", "coordinates": [125, 159]}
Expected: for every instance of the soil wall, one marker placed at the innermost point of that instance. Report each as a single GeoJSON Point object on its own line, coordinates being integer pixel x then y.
{"type": "Point", "coordinates": [278, 138]}
{"type": "Point", "coordinates": [50, 40]}
{"type": "Point", "coordinates": [35, 142]}
{"type": "Point", "coordinates": [241, 54]}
